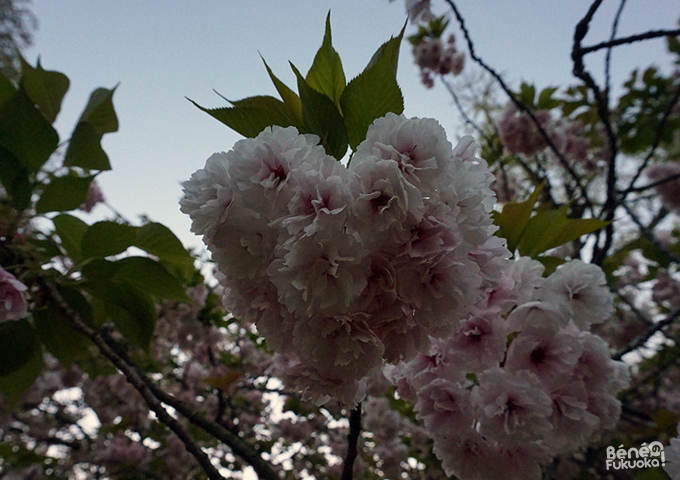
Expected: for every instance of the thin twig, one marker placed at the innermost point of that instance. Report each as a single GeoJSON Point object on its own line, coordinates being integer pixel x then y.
{"type": "Point", "coordinates": [461, 110]}
{"type": "Point", "coordinates": [641, 316]}
{"type": "Point", "coordinates": [649, 235]}
{"type": "Point", "coordinates": [607, 61]}
{"type": "Point", "coordinates": [352, 442]}
{"type": "Point", "coordinates": [642, 339]}
{"type": "Point", "coordinates": [671, 178]}
{"type": "Point", "coordinates": [655, 144]}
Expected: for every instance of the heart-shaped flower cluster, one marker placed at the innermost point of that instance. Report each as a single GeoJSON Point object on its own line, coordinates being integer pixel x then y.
{"type": "Point", "coordinates": [343, 268]}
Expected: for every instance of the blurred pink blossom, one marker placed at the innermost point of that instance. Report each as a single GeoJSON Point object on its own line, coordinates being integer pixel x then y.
{"type": "Point", "coordinates": [13, 304]}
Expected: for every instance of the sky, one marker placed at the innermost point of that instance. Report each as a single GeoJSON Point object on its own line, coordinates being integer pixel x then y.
{"type": "Point", "coordinates": [160, 52]}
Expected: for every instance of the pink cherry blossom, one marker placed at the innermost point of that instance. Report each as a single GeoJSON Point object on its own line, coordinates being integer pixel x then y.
{"type": "Point", "coordinates": [513, 406]}
{"type": "Point", "coordinates": [13, 304]}
{"type": "Point", "coordinates": [579, 289]}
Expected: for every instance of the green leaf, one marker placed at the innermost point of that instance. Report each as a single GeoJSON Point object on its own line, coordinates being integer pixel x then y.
{"type": "Point", "coordinates": [673, 46]}
{"type": "Point", "coordinates": [45, 88]}
{"type": "Point", "coordinates": [26, 133]}
{"type": "Point", "coordinates": [64, 193]}
{"type": "Point", "coordinates": [289, 97]}
{"type": "Point", "coordinates": [388, 50]}
{"type": "Point", "coordinates": [99, 111]}
{"type": "Point", "coordinates": [326, 75]}
{"type": "Point", "coordinates": [99, 271]}
{"type": "Point", "coordinates": [132, 311]}
{"type": "Point", "coordinates": [550, 263]}
{"type": "Point", "coordinates": [85, 150]}
{"type": "Point", "coordinates": [514, 218]}
{"type": "Point", "coordinates": [15, 384]}
{"type": "Point", "coordinates": [15, 178]}
{"type": "Point", "coordinates": [527, 93]}
{"type": "Point", "coordinates": [252, 115]}
{"type": "Point", "coordinates": [150, 277]}
{"type": "Point", "coordinates": [7, 89]}
{"type": "Point", "coordinates": [545, 100]}
{"type": "Point", "coordinates": [57, 335]}
{"type": "Point", "coordinates": [18, 341]}
{"type": "Point", "coordinates": [158, 240]}
{"type": "Point", "coordinates": [543, 229]}
{"type": "Point", "coordinates": [373, 93]}
{"type": "Point", "coordinates": [551, 228]}
{"type": "Point", "coordinates": [46, 247]}
{"type": "Point", "coordinates": [99, 117]}
{"type": "Point", "coordinates": [107, 238]}
{"type": "Point", "coordinates": [575, 228]}
{"type": "Point", "coordinates": [71, 231]}
{"type": "Point", "coordinates": [322, 118]}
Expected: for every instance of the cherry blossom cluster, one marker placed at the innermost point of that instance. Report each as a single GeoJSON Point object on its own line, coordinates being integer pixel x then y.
{"type": "Point", "coordinates": [523, 380]}
{"type": "Point", "coordinates": [520, 134]}
{"type": "Point", "coordinates": [435, 58]}
{"type": "Point", "coordinates": [343, 268]}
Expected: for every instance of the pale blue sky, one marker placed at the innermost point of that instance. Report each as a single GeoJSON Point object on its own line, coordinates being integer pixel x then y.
{"type": "Point", "coordinates": [162, 51]}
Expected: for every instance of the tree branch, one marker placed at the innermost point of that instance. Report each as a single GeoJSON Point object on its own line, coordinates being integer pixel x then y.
{"type": "Point", "coordinates": [232, 440]}
{"type": "Point", "coordinates": [352, 442]}
{"type": "Point", "coordinates": [154, 396]}
{"type": "Point", "coordinates": [521, 106]}
{"type": "Point", "coordinates": [627, 40]}
{"type": "Point", "coordinates": [134, 377]}
{"type": "Point", "coordinates": [579, 71]}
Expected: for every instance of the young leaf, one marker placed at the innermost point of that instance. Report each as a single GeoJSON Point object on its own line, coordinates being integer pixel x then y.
{"type": "Point", "coordinates": [389, 50]}
{"type": "Point", "coordinates": [513, 220]}
{"type": "Point", "coordinates": [252, 115]}
{"type": "Point", "coordinates": [289, 97]}
{"type": "Point", "coordinates": [64, 194]}
{"type": "Point", "coordinates": [551, 228]}
{"type": "Point", "coordinates": [373, 93]}
{"type": "Point", "coordinates": [99, 117]}
{"type": "Point", "coordinates": [322, 118]}
{"type": "Point", "coordinates": [45, 88]}
{"type": "Point", "coordinates": [326, 75]}
{"type": "Point", "coordinates": [543, 229]}
{"type": "Point", "coordinates": [550, 263]}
